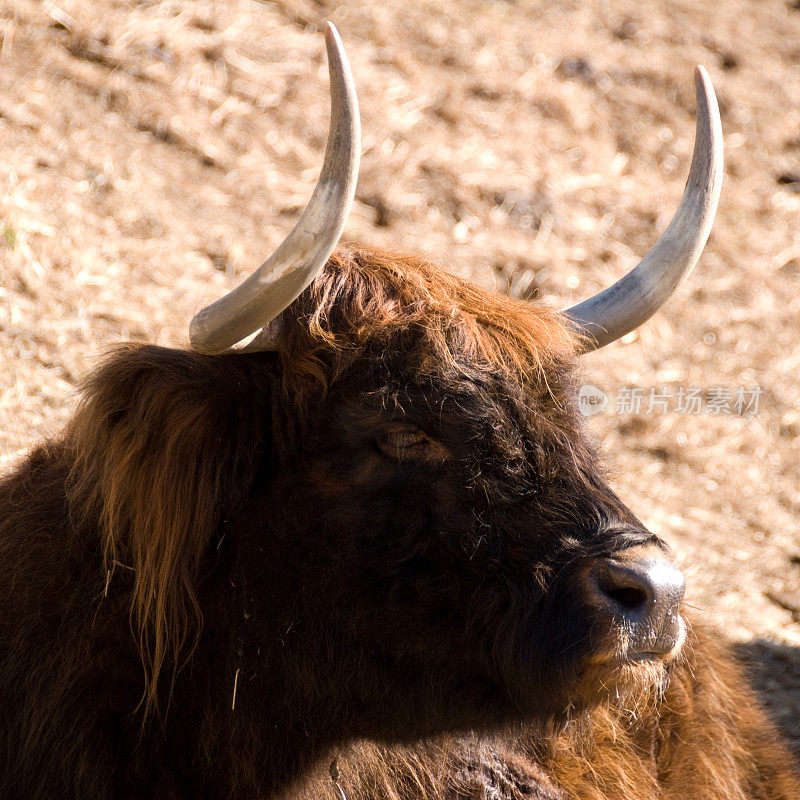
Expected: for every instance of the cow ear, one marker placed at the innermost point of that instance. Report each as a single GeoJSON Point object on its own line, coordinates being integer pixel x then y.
{"type": "Point", "coordinates": [166, 445]}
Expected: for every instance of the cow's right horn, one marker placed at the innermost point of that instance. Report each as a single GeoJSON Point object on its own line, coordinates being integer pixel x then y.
{"type": "Point", "coordinates": [635, 297]}
{"type": "Point", "coordinates": [292, 267]}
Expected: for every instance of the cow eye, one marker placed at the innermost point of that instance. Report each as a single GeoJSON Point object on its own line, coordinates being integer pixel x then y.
{"type": "Point", "coordinates": [409, 443]}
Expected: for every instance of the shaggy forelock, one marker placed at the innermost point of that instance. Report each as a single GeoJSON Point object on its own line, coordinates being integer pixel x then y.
{"type": "Point", "coordinates": [365, 300]}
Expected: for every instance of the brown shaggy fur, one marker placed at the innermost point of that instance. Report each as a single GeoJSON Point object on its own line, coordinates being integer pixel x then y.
{"type": "Point", "coordinates": [216, 577]}
{"type": "Point", "coordinates": [705, 738]}
{"type": "Point", "coordinates": [153, 471]}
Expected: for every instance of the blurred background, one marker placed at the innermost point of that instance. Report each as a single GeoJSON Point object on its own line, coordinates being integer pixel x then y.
{"type": "Point", "coordinates": [152, 153]}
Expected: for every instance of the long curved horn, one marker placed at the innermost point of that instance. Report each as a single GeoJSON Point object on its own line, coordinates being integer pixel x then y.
{"type": "Point", "coordinates": [634, 298]}
{"type": "Point", "coordinates": [293, 266]}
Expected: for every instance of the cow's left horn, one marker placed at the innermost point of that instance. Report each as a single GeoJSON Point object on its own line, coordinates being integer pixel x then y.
{"type": "Point", "coordinates": [634, 298]}
{"type": "Point", "coordinates": [293, 266]}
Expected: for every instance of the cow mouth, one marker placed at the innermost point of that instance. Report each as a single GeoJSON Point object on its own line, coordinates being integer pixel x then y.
{"type": "Point", "coordinates": [664, 646]}
{"type": "Point", "coordinates": [628, 645]}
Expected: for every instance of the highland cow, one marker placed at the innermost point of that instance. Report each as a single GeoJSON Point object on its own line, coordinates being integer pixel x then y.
{"type": "Point", "coordinates": [379, 518]}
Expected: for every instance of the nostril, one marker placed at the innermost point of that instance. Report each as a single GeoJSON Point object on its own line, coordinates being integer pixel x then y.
{"type": "Point", "coordinates": [628, 597]}
{"type": "Point", "coordinates": [624, 586]}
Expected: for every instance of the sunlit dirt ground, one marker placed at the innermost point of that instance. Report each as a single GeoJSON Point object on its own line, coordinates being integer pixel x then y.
{"type": "Point", "coordinates": [152, 153]}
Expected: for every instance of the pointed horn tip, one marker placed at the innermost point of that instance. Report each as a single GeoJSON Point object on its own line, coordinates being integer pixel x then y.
{"type": "Point", "coordinates": [707, 104]}
{"type": "Point", "coordinates": [702, 82]}
{"type": "Point", "coordinates": [332, 37]}
{"type": "Point", "coordinates": [337, 57]}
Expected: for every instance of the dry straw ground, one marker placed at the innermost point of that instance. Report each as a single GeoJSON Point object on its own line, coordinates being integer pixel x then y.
{"type": "Point", "coordinates": [153, 152]}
